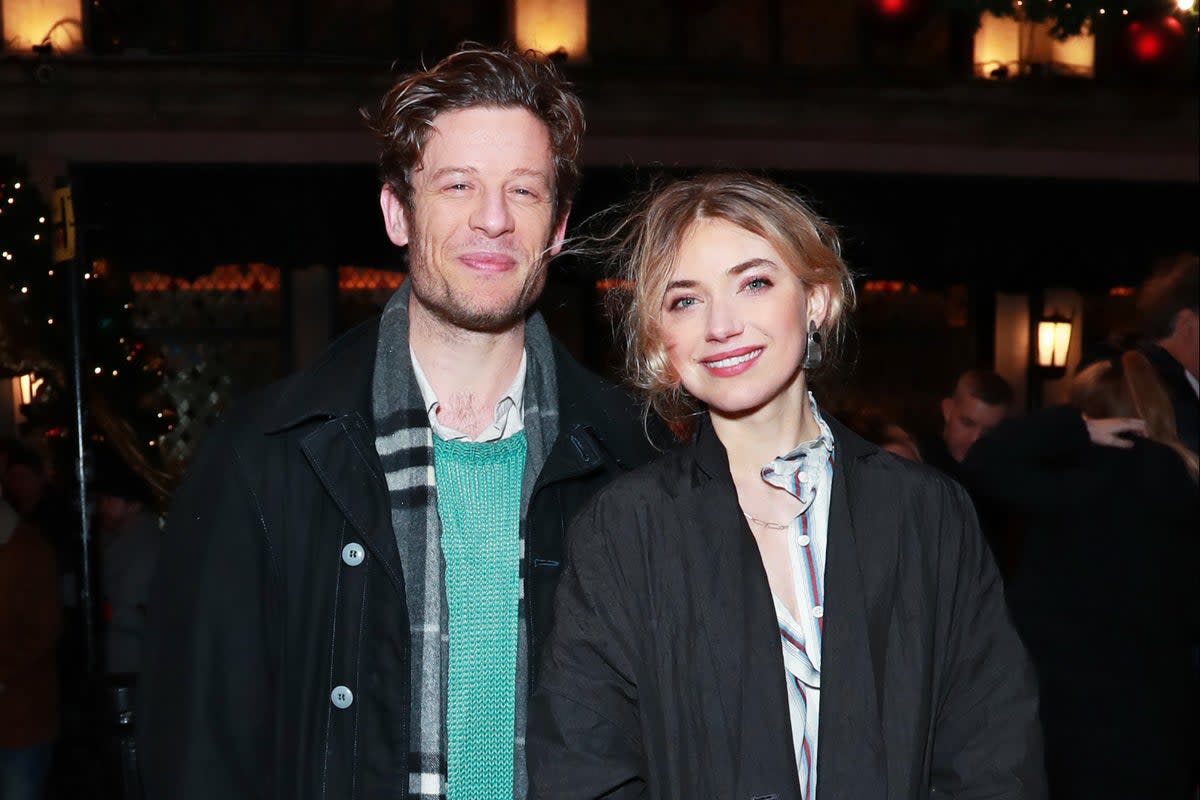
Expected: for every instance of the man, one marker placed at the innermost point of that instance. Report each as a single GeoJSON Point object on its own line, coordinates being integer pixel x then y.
{"type": "Point", "coordinates": [1168, 308]}
{"type": "Point", "coordinates": [30, 623]}
{"type": "Point", "coordinates": [980, 400]}
{"type": "Point", "coordinates": [130, 537]}
{"type": "Point", "coordinates": [358, 574]}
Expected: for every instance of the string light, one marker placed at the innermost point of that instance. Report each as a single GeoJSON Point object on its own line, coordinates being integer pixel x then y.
{"type": "Point", "coordinates": [49, 320]}
{"type": "Point", "coordinates": [98, 370]}
{"type": "Point", "coordinates": [16, 185]}
{"type": "Point", "coordinates": [24, 289]}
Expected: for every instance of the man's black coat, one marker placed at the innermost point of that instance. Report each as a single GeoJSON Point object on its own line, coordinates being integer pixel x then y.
{"type": "Point", "coordinates": [255, 616]}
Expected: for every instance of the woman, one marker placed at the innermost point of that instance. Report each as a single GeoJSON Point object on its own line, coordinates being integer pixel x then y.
{"type": "Point", "coordinates": [778, 609]}
{"type": "Point", "coordinates": [1105, 593]}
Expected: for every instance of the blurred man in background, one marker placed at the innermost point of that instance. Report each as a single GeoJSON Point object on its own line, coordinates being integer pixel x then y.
{"type": "Point", "coordinates": [1168, 309]}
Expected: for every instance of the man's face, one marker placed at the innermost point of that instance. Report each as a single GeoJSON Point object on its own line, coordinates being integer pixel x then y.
{"type": "Point", "coordinates": [967, 418]}
{"type": "Point", "coordinates": [23, 487]}
{"type": "Point", "coordinates": [481, 226]}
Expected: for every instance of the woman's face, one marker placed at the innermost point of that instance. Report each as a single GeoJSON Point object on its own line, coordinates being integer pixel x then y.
{"type": "Point", "coordinates": [734, 320]}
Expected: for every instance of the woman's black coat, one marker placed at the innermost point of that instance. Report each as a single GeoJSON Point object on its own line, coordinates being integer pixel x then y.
{"type": "Point", "coordinates": [663, 676]}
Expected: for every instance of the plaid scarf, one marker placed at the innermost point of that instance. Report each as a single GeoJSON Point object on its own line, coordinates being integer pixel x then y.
{"type": "Point", "coordinates": [404, 442]}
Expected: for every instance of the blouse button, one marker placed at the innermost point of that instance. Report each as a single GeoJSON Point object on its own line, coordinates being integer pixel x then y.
{"type": "Point", "coordinates": [818, 611]}
{"type": "Point", "coordinates": [804, 540]}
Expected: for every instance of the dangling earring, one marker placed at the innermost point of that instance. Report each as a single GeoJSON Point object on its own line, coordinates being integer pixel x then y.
{"type": "Point", "coordinates": [813, 352]}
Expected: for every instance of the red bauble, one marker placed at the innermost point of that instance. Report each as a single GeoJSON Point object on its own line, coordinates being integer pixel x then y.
{"type": "Point", "coordinates": [895, 16]}
{"type": "Point", "coordinates": [1151, 44]}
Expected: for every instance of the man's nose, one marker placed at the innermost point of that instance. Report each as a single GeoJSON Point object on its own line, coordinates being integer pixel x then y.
{"type": "Point", "coordinates": [492, 215]}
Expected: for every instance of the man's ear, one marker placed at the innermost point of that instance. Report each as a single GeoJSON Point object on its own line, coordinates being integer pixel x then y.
{"type": "Point", "coordinates": [818, 305]}
{"type": "Point", "coordinates": [395, 221]}
{"type": "Point", "coordinates": [559, 235]}
{"type": "Point", "coordinates": [947, 408]}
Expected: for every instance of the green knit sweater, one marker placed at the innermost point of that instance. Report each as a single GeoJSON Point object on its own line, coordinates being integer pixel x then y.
{"type": "Point", "coordinates": [479, 502]}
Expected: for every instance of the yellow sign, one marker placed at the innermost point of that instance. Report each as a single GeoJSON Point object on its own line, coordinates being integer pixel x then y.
{"type": "Point", "coordinates": [62, 218]}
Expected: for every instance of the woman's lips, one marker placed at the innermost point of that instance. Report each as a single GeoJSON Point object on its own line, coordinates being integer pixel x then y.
{"type": "Point", "coordinates": [732, 362]}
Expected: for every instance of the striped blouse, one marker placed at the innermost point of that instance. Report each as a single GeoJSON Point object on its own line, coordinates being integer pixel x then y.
{"type": "Point", "coordinates": [807, 473]}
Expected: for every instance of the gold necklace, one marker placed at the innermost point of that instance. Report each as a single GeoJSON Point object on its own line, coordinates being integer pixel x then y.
{"type": "Point", "coordinates": [771, 526]}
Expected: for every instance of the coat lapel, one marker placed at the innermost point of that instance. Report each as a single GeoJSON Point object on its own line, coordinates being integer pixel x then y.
{"type": "Point", "coordinates": [734, 598]}
{"type": "Point", "coordinates": [342, 453]}
{"type": "Point", "coordinates": [851, 761]}
{"type": "Point", "coordinates": [735, 601]}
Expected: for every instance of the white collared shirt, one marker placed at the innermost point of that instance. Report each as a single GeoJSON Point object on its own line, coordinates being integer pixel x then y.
{"type": "Point", "coordinates": [510, 408]}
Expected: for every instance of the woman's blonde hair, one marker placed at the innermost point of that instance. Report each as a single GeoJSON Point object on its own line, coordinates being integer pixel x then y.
{"type": "Point", "coordinates": [1129, 387]}
{"type": "Point", "coordinates": [648, 243]}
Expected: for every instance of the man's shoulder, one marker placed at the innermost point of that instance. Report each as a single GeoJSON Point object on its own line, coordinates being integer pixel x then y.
{"type": "Point", "coordinates": [618, 418]}
{"type": "Point", "coordinates": [337, 382]}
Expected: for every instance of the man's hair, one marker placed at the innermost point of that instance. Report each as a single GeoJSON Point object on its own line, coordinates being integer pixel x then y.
{"type": "Point", "coordinates": [16, 453]}
{"type": "Point", "coordinates": [648, 243]}
{"type": "Point", "coordinates": [478, 77]}
{"type": "Point", "coordinates": [986, 387]}
{"type": "Point", "coordinates": [1171, 288]}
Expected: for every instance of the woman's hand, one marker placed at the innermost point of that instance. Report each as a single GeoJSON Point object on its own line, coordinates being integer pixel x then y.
{"type": "Point", "coordinates": [1114, 431]}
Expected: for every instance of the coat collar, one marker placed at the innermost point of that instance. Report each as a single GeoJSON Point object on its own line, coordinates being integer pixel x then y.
{"type": "Point", "coordinates": [737, 603]}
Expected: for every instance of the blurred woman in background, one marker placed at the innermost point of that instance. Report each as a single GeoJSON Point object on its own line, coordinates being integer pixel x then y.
{"type": "Point", "coordinates": [777, 580]}
{"type": "Point", "coordinates": [1106, 594]}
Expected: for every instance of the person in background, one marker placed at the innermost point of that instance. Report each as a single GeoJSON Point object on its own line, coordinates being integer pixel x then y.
{"type": "Point", "coordinates": [130, 535]}
{"type": "Point", "coordinates": [1168, 307]}
{"type": "Point", "coordinates": [1105, 595]}
{"type": "Point", "coordinates": [980, 400]}
{"type": "Point", "coordinates": [778, 609]}
{"type": "Point", "coordinates": [30, 624]}
{"type": "Point", "coordinates": [877, 428]}
{"type": "Point", "coordinates": [357, 575]}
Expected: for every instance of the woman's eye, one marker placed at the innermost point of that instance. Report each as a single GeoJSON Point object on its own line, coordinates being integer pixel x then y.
{"type": "Point", "coordinates": [755, 284]}
{"type": "Point", "coordinates": [682, 302]}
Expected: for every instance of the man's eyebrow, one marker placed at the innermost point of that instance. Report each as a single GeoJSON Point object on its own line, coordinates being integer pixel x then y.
{"type": "Point", "coordinates": [528, 172]}
{"type": "Point", "coordinates": [444, 171]}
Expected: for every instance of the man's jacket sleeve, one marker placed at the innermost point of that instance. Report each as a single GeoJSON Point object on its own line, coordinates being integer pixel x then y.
{"type": "Point", "coordinates": [205, 705]}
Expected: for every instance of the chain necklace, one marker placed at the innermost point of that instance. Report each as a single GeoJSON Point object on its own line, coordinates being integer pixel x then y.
{"type": "Point", "coordinates": [771, 526]}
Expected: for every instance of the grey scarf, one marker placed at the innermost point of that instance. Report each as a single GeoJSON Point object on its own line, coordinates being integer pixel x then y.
{"type": "Point", "coordinates": [404, 442]}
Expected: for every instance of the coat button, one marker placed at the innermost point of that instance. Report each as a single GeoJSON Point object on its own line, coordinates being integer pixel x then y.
{"type": "Point", "coordinates": [353, 554]}
{"type": "Point", "coordinates": [341, 696]}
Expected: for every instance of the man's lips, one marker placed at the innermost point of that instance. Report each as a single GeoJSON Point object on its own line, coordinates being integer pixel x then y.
{"type": "Point", "coordinates": [488, 262]}
{"type": "Point", "coordinates": [732, 362]}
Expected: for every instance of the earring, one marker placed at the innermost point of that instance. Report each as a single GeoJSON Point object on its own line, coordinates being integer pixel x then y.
{"type": "Point", "coordinates": [813, 351]}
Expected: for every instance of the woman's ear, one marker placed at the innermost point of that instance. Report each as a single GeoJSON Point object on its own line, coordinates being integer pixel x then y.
{"type": "Point", "coordinates": [818, 305]}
